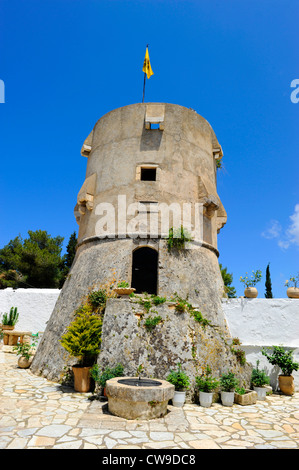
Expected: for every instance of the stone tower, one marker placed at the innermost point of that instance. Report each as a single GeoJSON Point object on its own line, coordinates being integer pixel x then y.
{"type": "Point", "coordinates": [150, 167]}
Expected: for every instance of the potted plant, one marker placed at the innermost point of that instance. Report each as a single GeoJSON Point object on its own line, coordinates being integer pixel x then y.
{"type": "Point", "coordinates": [9, 321]}
{"type": "Point", "coordinates": [123, 288]}
{"type": "Point", "coordinates": [107, 374]}
{"type": "Point", "coordinates": [181, 382]}
{"type": "Point", "coordinates": [250, 282]}
{"type": "Point", "coordinates": [26, 353]}
{"type": "Point", "coordinates": [206, 385]}
{"type": "Point", "coordinates": [228, 383]}
{"type": "Point", "coordinates": [293, 290]}
{"type": "Point", "coordinates": [283, 359]}
{"type": "Point", "coordinates": [82, 341]}
{"type": "Point", "coordinates": [244, 396]}
{"type": "Point", "coordinates": [258, 380]}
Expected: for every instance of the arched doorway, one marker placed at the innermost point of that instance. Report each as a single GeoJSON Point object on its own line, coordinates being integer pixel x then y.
{"type": "Point", "coordinates": [145, 270]}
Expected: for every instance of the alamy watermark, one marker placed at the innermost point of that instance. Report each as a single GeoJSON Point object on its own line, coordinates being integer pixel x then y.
{"type": "Point", "coordinates": [149, 219]}
{"type": "Point", "coordinates": [295, 93]}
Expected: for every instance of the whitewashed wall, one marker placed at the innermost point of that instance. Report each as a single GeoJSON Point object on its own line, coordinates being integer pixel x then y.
{"type": "Point", "coordinates": [256, 322]}
{"type": "Point", "coordinates": [34, 306]}
{"type": "Point", "coordinates": [264, 323]}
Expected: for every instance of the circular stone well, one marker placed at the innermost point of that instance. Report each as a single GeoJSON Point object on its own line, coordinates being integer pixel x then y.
{"type": "Point", "coordinates": [132, 398]}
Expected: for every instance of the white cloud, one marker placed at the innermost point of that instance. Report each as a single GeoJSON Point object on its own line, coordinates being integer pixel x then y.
{"type": "Point", "coordinates": [290, 235]}
{"type": "Point", "coordinates": [293, 230]}
{"type": "Point", "coordinates": [273, 231]}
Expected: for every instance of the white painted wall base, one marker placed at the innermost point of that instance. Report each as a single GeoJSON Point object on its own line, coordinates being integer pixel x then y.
{"type": "Point", "coordinates": [34, 306]}
{"type": "Point", "coordinates": [256, 322]}
{"type": "Point", "coordinates": [262, 323]}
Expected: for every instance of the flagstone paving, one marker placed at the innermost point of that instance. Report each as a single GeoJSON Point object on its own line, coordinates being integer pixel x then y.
{"type": "Point", "coordinates": [38, 414]}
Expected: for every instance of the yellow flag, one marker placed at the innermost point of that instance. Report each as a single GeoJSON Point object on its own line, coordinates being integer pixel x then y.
{"type": "Point", "coordinates": [147, 65]}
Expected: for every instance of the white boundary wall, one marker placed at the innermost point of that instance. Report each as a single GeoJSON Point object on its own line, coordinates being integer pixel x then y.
{"type": "Point", "coordinates": [34, 306]}
{"type": "Point", "coordinates": [262, 323]}
{"type": "Point", "coordinates": [256, 322]}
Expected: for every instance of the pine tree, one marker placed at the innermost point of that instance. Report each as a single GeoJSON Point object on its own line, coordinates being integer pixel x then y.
{"type": "Point", "coordinates": [268, 284]}
{"type": "Point", "coordinates": [68, 258]}
{"type": "Point", "coordinates": [227, 280]}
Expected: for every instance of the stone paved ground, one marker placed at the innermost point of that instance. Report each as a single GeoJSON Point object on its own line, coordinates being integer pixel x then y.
{"type": "Point", "coordinates": [38, 414]}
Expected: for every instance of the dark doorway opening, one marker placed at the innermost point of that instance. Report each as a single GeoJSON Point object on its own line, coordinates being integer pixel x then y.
{"type": "Point", "coordinates": [145, 270]}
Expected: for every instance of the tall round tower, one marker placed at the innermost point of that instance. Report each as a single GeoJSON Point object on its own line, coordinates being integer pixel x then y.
{"type": "Point", "coordinates": [150, 167]}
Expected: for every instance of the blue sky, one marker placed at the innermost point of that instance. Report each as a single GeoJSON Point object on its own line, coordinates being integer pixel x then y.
{"type": "Point", "coordinates": [66, 63]}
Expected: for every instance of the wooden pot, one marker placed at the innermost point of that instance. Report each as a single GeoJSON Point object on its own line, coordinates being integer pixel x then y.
{"type": "Point", "coordinates": [293, 292]}
{"type": "Point", "coordinates": [82, 378]}
{"type": "Point", "coordinates": [250, 292]}
{"type": "Point", "coordinates": [6, 337]}
{"type": "Point", "coordinates": [286, 384]}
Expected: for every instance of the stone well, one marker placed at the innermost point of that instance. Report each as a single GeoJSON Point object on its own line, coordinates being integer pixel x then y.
{"type": "Point", "coordinates": [138, 401]}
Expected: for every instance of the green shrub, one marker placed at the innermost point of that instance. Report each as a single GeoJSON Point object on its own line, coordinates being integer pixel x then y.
{"type": "Point", "coordinates": [199, 318]}
{"type": "Point", "coordinates": [83, 337]}
{"type": "Point", "coordinates": [107, 374]}
{"type": "Point", "coordinates": [282, 358]}
{"type": "Point", "coordinates": [158, 300]}
{"type": "Point", "coordinates": [207, 383]}
{"type": "Point", "coordinates": [228, 382]}
{"type": "Point", "coordinates": [151, 322]}
{"type": "Point", "coordinates": [97, 299]}
{"type": "Point", "coordinates": [177, 238]}
{"type": "Point", "coordinates": [123, 284]}
{"type": "Point", "coordinates": [259, 377]}
{"type": "Point", "coordinates": [179, 379]}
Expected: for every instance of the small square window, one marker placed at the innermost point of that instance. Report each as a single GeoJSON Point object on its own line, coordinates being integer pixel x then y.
{"type": "Point", "coordinates": [148, 174]}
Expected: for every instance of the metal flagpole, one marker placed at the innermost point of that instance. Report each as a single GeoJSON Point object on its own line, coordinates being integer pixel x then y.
{"type": "Point", "coordinates": [144, 80]}
{"type": "Point", "coordinates": [144, 86]}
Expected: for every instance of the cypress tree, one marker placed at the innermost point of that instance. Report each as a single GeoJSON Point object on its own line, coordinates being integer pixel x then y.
{"type": "Point", "coordinates": [268, 284]}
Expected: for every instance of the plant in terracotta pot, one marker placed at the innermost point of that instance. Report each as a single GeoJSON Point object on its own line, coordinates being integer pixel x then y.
{"type": "Point", "coordinates": [206, 385]}
{"type": "Point", "coordinates": [259, 379]}
{"type": "Point", "coordinates": [25, 351]}
{"type": "Point", "coordinates": [123, 288]}
{"type": "Point", "coordinates": [293, 289]}
{"type": "Point", "coordinates": [228, 383]}
{"type": "Point", "coordinates": [82, 341]}
{"type": "Point", "coordinates": [250, 283]}
{"type": "Point", "coordinates": [107, 374]}
{"type": "Point", "coordinates": [244, 396]}
{"type": "Point", "coordinates": [9, 320]}
{"type": "Point", "coordinates": [181, 382]}
{"type": "Point", "coordinates": [283, 359]}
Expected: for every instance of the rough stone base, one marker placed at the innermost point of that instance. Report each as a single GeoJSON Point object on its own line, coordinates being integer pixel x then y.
{"type": "Point", "coordinates": [178, 338]}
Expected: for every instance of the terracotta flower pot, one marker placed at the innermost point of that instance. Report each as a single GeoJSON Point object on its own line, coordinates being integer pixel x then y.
{"type": "Point", "coordinates": [124, 290]}
{"type": "Point", "coordinates": [24, 363]}
{"type": "Point", "coordinates": [250, 292]}
{"type": "Point", "coordinates": [286, 384]}
{"type": "Point", "coordinates": [82, 379]}
{"type": "Point", "coordinates": [293, 292]}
